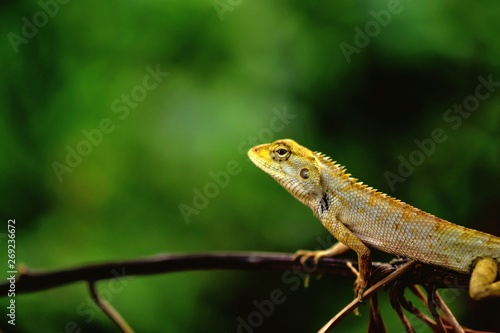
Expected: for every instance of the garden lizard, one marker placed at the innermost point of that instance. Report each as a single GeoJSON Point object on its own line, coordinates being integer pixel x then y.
{"type": "Point", "coordinates": [361, 217]}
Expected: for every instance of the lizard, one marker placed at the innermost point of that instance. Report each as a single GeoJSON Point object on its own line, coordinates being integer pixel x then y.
{"type": "Point", "coordinates": [361, 217]}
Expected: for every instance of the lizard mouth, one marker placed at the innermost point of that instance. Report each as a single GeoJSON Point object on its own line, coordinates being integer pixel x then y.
{"type": "Point", "coordinates": [263, 165]}
{"type": "Point", "coordinates": [256, 155]}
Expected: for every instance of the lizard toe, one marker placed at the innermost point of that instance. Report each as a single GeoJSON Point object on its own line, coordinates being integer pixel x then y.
{"type": "Point", "coordinates": [359, 288]}
{"type": "Point", "coordinates": [305, 255]}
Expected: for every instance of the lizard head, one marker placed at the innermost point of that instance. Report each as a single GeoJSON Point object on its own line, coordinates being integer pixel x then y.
{"type": "Point", "coordinates": [295, 167]}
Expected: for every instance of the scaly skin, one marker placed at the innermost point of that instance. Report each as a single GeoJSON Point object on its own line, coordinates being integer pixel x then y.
{"type": "Point", "coordinates": [360, 217]}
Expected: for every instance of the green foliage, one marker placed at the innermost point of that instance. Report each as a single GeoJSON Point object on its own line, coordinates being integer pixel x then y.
{"type": "Point", "coordinates": [235, 71]}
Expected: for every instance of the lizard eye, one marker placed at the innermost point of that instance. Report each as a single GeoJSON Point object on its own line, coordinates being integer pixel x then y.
{"type": "Point", "coordinates": [281, 153]}
{"type": "Point", "coordinates": [304, 173]}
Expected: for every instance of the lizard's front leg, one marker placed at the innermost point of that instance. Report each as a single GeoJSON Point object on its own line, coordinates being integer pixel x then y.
{"type": "Point", "coordinates": [335, 250]}
{"type": "Point", "coordinates": [347, 240]}
{"type": "Point", "coordinates": [364, 266]}
{"type": "Point", "coordinates": [482, 281]}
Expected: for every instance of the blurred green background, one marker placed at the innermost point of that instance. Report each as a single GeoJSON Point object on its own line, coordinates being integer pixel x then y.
{"type": "Point", "coordinates": [103, 152]}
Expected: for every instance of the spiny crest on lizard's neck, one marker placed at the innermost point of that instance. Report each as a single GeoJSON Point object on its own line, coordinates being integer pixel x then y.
{"type": "Point", "coordinates": [332, 168]}
{"type": "Point", "coordinates": [331, 164]}
{"type": "Point", "coordinates": [339, 173]}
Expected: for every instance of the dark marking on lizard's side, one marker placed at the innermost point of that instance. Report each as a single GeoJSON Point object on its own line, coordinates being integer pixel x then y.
{"type": "Point", "coordinates": [324, 203]}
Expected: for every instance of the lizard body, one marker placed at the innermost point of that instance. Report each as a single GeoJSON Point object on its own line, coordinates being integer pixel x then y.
{"type": "Point", "coordinates": [361, 217]}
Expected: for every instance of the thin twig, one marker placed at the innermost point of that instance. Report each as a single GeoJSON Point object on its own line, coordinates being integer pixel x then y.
{"type": "Point", "coordinates": [428, 321]}
{"type": "Point", "coordinates": [397, 291]}
{"type": "Point", "coordinates": [431, 305]}
{"type": "Point", "coordinates": [108, 309]}
{"type": "Point", "coordinates": [376, 323]}
{"type": "Point", "coordinates": [450, 318]}
{"type": "Point", "coordinates": [407, 305]}
{"type": "Point", "coordinates": [355, 303]}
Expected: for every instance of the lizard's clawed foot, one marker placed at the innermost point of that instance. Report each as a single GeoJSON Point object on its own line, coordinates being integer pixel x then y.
{"type": "Point", "coordinates": [359, 284]}
{"type": "Point", "coordinates": [304, 255]}
{"type": "Point", "coordinates": [359, 288]}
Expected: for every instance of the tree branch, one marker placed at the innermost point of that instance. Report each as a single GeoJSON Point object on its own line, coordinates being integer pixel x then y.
{"type": "Point", "coordinates": [31, 281]}
{"type": "Point", "coordinates": [392, 274]}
